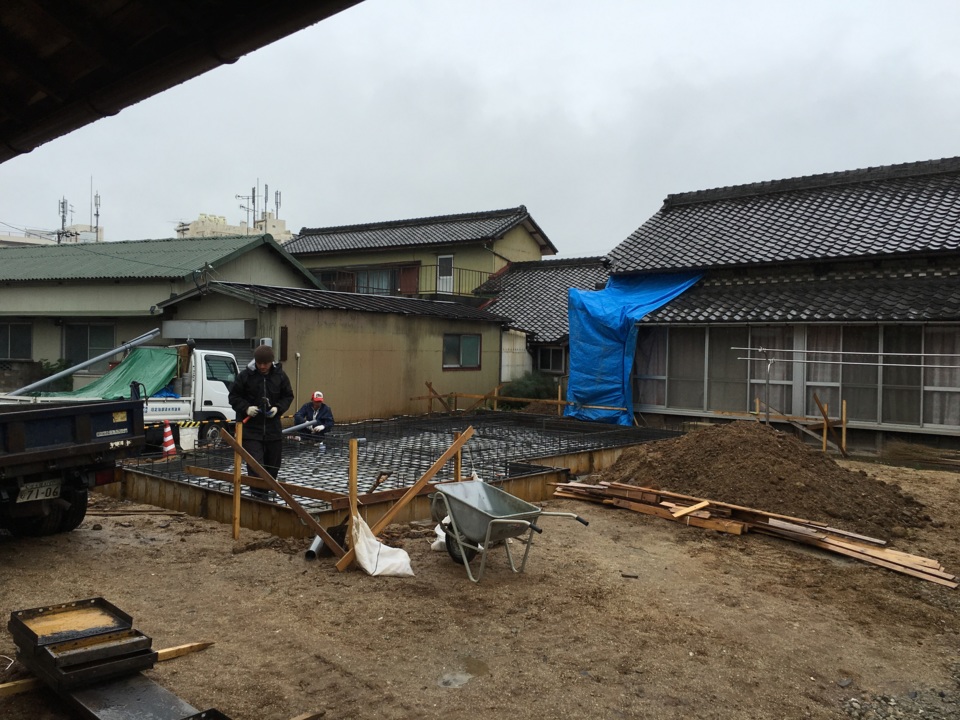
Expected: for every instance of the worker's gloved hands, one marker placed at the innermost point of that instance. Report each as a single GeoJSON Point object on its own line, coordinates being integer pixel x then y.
{"type": "Point", "coordinates": [253, 411]}
{"type": "Point", "coordinates": [319, 428]}
{"type": "Point", "coordinates": [272, 413]}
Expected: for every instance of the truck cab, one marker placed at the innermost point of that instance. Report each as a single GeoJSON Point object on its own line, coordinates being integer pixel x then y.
{"type": "Point", "coordinates": [211, 374]}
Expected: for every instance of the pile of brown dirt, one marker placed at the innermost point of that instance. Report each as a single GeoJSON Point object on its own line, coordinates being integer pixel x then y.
{"type": "Point", "coordinates": [753, 465]}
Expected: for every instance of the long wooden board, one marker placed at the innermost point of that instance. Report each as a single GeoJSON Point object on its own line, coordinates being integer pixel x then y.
{"type": "Point", "coordinates": [17, 687]}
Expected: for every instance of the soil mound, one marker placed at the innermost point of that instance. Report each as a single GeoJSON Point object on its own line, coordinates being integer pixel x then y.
{"type": "Point", "coordinates": [753, 465]}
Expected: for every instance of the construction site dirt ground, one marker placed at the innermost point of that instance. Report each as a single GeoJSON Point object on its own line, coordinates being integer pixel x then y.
{"type": "Point", "coordinates": [631, 617]}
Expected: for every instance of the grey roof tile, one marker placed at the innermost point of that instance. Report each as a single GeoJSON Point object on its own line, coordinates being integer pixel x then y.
{"type": "Point", "coordinates": [330, 300]}
{"type": "Point", "coordinates": [439, 230]}
{"type": "Point", "coordinates": [867, 297]}
{"type": "Point", "coordinates": [888, 211]}
{"type": "Point", "coordinates": [534, 294]}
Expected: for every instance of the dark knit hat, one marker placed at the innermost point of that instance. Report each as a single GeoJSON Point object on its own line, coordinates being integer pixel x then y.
{"type": "Point", "coordinates": [263, 354]}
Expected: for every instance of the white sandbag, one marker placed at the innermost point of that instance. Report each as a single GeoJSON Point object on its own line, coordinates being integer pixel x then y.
{"type": "Point", "coordinates": [375, 557]}
{"type": "Point", "coordinates": [440, 544]}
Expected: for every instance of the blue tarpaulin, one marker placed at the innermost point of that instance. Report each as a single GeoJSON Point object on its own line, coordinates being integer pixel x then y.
{"type": "Point", "coordinates": [603, 339]}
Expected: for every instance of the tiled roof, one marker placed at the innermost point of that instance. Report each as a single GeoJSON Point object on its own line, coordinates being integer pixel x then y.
{"type": "Point", "coordinates": [534, 294]}
{"type": "Point", "coordinates": [138, 259]}
{"type": "Point", "coordinates": [440, 230]}
{"type": "Point", "coordinates": [329, 300]}
{"type": "Point", "coordinates": [887, 211]}
{"type": "Point", "coordinates": [901, 296]}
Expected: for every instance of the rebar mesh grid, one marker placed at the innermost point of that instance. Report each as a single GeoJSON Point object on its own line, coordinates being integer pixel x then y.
{"type": "Point", "coordinates": [405, 448]}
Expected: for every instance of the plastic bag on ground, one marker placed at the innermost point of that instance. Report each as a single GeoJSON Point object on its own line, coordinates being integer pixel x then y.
{"type": "Point", "coordinates": [440, 544]}
{"type": "Point", "coordinates": [375, 557]}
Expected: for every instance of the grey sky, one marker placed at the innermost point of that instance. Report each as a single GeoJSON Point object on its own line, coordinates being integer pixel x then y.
{"type": "Point", "coordinates": [587, 113]}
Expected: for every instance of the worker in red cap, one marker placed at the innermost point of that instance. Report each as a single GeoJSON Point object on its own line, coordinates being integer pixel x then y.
{"type": "Point", "coordinates": [315, 410]}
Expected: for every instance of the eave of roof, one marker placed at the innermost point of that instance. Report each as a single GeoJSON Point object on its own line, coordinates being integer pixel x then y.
{"type": "Point", "coordinates": [848, 297]}
{"type": "Point", "coordinates": [68, 64]}
{"type": "Point", "coordinates": [267, 295]}
{"type": "Point", "coordinates": [433, 231]}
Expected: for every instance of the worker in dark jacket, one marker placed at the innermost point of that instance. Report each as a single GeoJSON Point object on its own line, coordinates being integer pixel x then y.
{"type": "Point", "coordinates": [260, 395]}
{"type": "Point", "coordinates": [317, 412]}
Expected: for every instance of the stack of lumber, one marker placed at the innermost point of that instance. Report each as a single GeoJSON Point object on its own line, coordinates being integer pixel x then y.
{"type": "Point", "coordinates": [737, 520]}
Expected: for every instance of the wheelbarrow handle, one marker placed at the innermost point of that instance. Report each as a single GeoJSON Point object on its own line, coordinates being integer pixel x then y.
{"type": "Point", "coordinates": [581, 520]}
{"type": "Point", "coordinates": [536, 528]}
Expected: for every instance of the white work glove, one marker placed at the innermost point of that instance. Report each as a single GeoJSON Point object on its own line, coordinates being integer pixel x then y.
{"type": "Point", "coordinates": [272, 413]}
{"type": "Point", "coordinates": [253, 411]}
{"type": "Point", "coordinates": [319, 428]}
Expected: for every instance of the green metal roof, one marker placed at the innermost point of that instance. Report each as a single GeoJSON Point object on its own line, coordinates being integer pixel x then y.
{"type": "Point", "coordinates": [173, 258]}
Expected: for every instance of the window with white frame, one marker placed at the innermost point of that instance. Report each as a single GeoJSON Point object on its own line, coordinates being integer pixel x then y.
{"type": "Point", "coordinates": [461, 351]}
{"type": "Point", "coordinates": [16, 341]}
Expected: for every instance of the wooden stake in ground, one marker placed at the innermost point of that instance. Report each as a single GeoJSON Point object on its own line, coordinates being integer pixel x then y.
{"type": "Point", "coordinates": [272, 484]}
{"type": "Point", "coordinates": [352, 487]}
{"type": "Point", "coordinates": [236, 484]}
{"type": "Point", "coordinates": [344, 562]}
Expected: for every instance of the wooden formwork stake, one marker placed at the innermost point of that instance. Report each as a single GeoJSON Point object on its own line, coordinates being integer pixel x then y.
{"type": "Point", "coordinates": [843, 426]}
{"type": "Point", "coordinates": [458, 461]}
{"type": "Point", "coordinates": [826, 424]}
{"type": "Point", "coordinates": [237, 471]}
{"type": "Point", "coordinates": [291, 502]}
{"type": "Point", "coordinates": [352, 478]}
{"type": "Point", "coordinates": [350, 555]}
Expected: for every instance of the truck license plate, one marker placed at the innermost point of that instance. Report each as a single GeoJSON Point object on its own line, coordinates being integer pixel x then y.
{"type": "Point", "coordinates": [46, 490]}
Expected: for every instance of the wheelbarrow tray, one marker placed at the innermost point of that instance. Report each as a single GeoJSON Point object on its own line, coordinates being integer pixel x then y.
{"type": "Point", "coordinates": [474, 504]}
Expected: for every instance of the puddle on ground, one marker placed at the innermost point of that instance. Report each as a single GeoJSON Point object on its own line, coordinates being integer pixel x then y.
{"type": "Point", "coordinates": [472, 668]}
{"type": "Point", "coordinates": [454, 679]}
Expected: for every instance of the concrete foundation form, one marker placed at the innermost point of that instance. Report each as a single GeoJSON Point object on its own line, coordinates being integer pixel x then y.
{"type": "Point", "coordinates": [524, 454]}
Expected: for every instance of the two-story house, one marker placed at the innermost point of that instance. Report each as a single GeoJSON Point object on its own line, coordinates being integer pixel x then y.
{"type": "Point", "coordinates": [445, 257]}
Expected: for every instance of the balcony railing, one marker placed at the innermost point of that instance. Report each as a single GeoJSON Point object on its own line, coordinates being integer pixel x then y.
{"type": "Point", "coordinates": [411, 281]}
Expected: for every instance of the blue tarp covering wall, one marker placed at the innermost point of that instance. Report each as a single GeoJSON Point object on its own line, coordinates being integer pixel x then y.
{"type": "Point", "coordinates": [603, 339]}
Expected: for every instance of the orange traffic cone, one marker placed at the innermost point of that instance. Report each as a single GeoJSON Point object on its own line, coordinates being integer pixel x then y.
{"type": "Point", "coordinates": [169, 447]}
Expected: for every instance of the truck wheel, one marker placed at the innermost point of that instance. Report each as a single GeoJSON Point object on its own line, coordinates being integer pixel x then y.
{"type": "Point", "coordinates": [38, 525]}
{"type": "Point", "coordinates": [210, 433]}
{"type": "Point", "coordinates": [73, 515]}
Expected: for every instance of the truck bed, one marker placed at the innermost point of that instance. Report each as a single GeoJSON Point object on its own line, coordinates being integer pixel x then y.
{"type": "Point", "coordinates": [39, 437]}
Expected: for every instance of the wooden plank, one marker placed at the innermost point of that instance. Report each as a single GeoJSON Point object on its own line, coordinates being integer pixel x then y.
{"type": "Point", "coordinates": [689, 509]}
{"type": "Point", "coordinates": [732, 527]}
{"type": "Point", "coordinates": [17, 687]}
{"type": "Point", "coordinates": [302, 491]}
{"type": "Point", "coordinates": [691, 498]}
{"type": "Point", "coordinates": [435, 395]}
{"type": "Point", "coordinates": [859, 555]}
{"type": "Point", "coordinates": [272, 484]}
{"type": "Point", "coordinates": [348, 557]}
{"type": "Point", "coordinates": [237, 474]}
{"type": "Point", "coordinates": [835, 531]}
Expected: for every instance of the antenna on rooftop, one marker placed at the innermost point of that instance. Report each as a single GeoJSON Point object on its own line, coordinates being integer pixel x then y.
{"type": "Point", "coordinates": [62, 206]}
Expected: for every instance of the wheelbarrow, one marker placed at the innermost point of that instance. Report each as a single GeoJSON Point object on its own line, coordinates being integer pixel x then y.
{"type": "Point", "coordinates": [475, 517]}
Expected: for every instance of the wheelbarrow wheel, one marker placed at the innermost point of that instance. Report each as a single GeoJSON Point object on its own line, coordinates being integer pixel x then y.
{"type": "Point", "coordinates": [454, 550]}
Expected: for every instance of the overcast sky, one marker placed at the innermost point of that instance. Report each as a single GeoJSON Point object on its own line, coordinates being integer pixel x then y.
{"type": "Point", "coordinates": [589, 113]}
